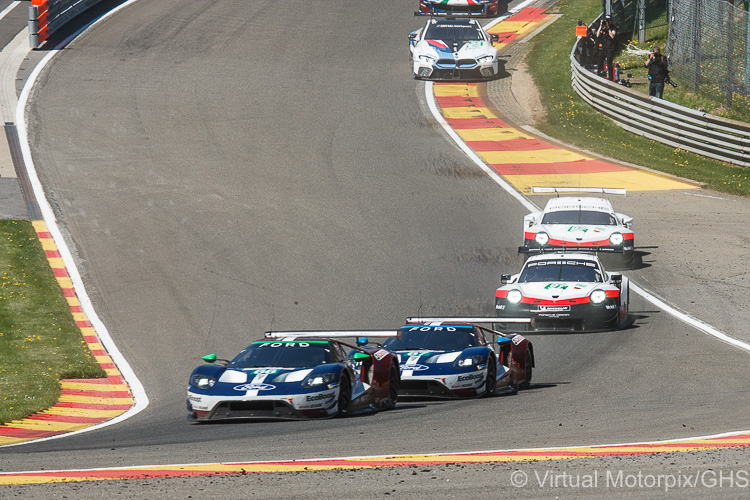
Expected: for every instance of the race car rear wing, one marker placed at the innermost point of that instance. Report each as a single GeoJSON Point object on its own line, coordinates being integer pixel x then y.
{"type": "Point", "coordinates": [474, 320]}
{"type": "Point", "coordinates": [468, 319]}
{"type": "Point", "coordinates": [332, 333]}
{"type": "Point", "coordinates": [453, 14]}
{"type": "Point", "coordinates": [558, 190]}
{"type": "Point", "coordinates": [561, 249]}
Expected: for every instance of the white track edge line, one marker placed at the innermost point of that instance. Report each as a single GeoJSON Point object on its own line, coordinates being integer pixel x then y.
{"type": "Point", "coordinates": [139, 393]}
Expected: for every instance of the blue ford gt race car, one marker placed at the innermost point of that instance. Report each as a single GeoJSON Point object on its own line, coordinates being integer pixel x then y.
{"type": "Point", "coordinates": [295, 375]}
{"type": "Point", "coordinates": [452, 358]}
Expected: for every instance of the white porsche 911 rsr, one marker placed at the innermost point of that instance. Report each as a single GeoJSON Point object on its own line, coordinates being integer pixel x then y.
{"type": "Point", "coordinates": [453, 49]}
{"type": "Point", "coordinates": [580, 224]}
{"type": "Point", "coordinates": [563, 291]}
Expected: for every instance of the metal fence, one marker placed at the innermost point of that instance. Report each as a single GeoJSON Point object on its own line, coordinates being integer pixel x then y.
{"type": "Point", "coordinates": [47, 16]}
{"type": "Point", "coordinates": [708, 48]}
{"type": "Point", "coordinates": [660, 120]}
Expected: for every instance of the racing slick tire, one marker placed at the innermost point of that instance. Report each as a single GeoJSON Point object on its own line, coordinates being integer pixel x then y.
{"type": "Point", "coordinates": [393, 383]}
{"type": "Point", "coordinates": [345, 397]}
{"type": "Point", "coordinates": [491, 382]}
{"type": "Point", "coordinates": [526, 382]}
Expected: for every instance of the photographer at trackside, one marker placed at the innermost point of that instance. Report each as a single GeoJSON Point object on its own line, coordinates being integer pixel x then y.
{"type": "Point", "coordinates": [657, 73]}
{"type": "Point", "coordinates": [605, 42]}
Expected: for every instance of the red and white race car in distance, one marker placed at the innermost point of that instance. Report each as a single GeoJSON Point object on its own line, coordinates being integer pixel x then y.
{"type": "Point", "coordinates": [563, 291]}
{"type": "Point", "coordinates": [580, 224]}
{"type": "Point", "coordinates": [485, 8]}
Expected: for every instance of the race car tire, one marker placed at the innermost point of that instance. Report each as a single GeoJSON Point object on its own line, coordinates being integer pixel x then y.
{"type": "Point", "coordinates": [491, 382]}
{"type": "Point", "coordinates": [526, 383]}
{"type": "Point", "coordinates": [345, 398]}
{"type": "Point", "coordinates": [393, 380]}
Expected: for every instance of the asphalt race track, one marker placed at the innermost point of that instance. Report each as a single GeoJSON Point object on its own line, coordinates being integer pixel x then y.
{"type": "Point", "coordinates": [222, 168]}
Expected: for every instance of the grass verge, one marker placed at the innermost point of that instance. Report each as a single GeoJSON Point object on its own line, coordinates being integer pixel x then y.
{"type": "Point", "coordinates": [39, 340]}
{"type": "Point", "coordinates": [571, 120]}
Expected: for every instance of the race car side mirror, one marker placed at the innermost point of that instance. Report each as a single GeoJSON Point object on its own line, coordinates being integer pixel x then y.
{"type": "Point", "coordinates": [505, 278]}
{"type": "Point", "coordinates": [362, 340]}
{"type": "Point", "coordinates": [494, 37]}
{"type": "Point", "coordinates": [617, 278]}
{"type": "Point", "coordinates": [209, 358]}
{"type": "Point", "coordinates": [360, 355]}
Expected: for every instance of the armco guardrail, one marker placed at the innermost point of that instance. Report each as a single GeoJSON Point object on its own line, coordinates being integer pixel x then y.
{"type": "Point", "coordinates": [47, 16]}
{"type": "Point", "coordinates": [660, 120]}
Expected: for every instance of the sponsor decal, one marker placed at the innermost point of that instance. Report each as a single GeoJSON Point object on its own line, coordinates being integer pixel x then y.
{"type": "Point", "coordinates": [264, 371]}
{"type": "Point", "coordinates": [414, 368]}
{"type": "Point", "coordinates": [411, 354]}
{"type": "Point", "coordinates": [517, 339]}
{"type": "Point", "coordinates": [380, 354]}
{"type": "Point", "coordinates": [610, 306]}
{"type": "Point", "coordinates": [553, 308]}
{"type": "Point", "coordinates": [500, 306]}
{"type": "Point", "coordinates": [555, 285]}
{"type": "Point", "coordinates": [254, 387]}
{"type": "Point", "coordinates": [282, 344]}
{"type": "Point", "coordinates": [194, 398]}
{"type": "Point", "coordinates": [464, 378]}
{"type": "Point", "coordinates": [433, 329]}
{"type": "Point", "coordinates": [318, 397]}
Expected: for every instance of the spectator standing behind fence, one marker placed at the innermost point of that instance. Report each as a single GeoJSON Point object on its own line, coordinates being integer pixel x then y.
{"type": "Point", "coordinates": [605, 42]}
{"type": "Point", "coordinates": [657, 73]}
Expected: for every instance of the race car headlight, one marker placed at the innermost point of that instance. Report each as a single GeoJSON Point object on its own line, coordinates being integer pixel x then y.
{"type": "Point", "coordinates": [514, 296]}
{"type": "Point", "coordinates": [616, 239]}
{"type": "Point", "coordinates": [426, 59]}
{"type": "Point", "coordinates": [598, 296]}
{"type": "Point", "coordinates": [468, 361]}
{"type": "Point", "coordinates": [484, 59]}
{"type": "Point", "coordinates": [202, 381]}
{"type": "Point", "coordinates": [319, 379]}
{"type": "Point", "coordinates": [542, 238]}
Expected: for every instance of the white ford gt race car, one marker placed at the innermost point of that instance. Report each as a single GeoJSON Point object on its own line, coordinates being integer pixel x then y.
{"type": "Point", "coordinates": [563, 291]}
{"type": "Point", "coordinates": [453, 49]}
{"type": "Point", "coordinates": [580, 224]}
{"type": "Point", "coordinates": [487, 8]}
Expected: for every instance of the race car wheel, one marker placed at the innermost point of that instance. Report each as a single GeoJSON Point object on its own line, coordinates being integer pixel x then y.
{"type": "Point", "coordinates": [526, 383]}
{"type": "Point", "coordinates": [392, 388]}
{"type": "Point", "coordinates": [491, 381]}
{"type": "Point", "coordinates": [345, 398]}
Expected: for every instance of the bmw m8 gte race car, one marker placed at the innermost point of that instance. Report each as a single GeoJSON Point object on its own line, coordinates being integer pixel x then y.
{"type": "Point", "coordinates": [452, 358]}
{"type": "Point", "coordinates": [485, 8]}
{"type": "Point", "coordinates": [581, 224]}
{"type": "Point", "coordinates": [453, 49]}
{"type": "Point", "coordinates": [563, 291]}
{"type": "Point", "coordinates": [294, 375]}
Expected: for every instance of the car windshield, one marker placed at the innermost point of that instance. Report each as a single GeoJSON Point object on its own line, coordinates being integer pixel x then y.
{"type": "Point", "coordinates": [592, 217]}
{"type": "Point", "coordinates": [449, 32]}
{"type": "Point", "coordinates": [284, 354]}
{"type": "Point", "coordinates": [433, 338]}
{"type": "Point", "coordinates": [582, 271]}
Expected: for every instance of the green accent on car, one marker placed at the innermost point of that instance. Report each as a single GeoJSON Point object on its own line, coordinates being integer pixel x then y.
{"type": "Point", "coordinates": [209, 358]}
{"type": "Point", "coordinates": [360, 355]}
